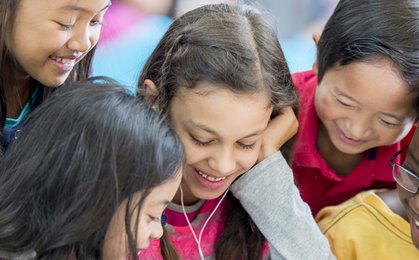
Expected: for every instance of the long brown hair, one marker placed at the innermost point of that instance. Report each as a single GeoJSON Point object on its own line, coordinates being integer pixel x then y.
{"type": "Point", "coordinates": [8, 12]}
{"type": "Point", "coordinates": [232, 47]}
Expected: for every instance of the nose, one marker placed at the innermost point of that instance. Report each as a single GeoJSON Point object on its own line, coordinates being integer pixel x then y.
{"type": "Point", "coordinates": [223, 161]}
{"type": "Point", "coordinates": [80, 40]}
{"type": "Point", "coordinates": [359, 127]}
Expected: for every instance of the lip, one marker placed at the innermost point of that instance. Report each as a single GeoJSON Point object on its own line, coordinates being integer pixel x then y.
{"type": "Point", "coordinates": [347, 140]}
{"type": "Point", "coordinates": [211, 185]}
{"type": "Point", "coordinates": [64, 63]}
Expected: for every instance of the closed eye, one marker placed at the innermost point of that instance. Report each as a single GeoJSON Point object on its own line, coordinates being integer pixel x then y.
{"type": "Point", "coordinates": [387, 123]}
{"type": "Point", "coordinates": [65, 27]}
{"type": "Point", "coordinates": [246, 146]}
{"type": "Point", "coordinates": [343, 103]}
{"type": "Point", "coordinates": [199, 142]}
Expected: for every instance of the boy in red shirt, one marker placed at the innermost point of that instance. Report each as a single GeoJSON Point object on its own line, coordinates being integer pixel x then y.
{"type": "Point", "coordinates": [358, 104]}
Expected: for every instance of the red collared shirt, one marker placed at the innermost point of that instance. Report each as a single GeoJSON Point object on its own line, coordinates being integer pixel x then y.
{"type": "Point", "coordinates": [319, 185]}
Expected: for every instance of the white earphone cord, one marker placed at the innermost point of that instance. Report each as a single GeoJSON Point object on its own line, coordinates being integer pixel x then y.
{"type": "Point", "coordinates": [198, 241]}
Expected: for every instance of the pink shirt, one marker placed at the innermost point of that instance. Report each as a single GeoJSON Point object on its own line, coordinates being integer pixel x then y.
{"type": "Point", "coordinates": [319, 185]}
{"type": "Point", "coordinates": [181, 236]}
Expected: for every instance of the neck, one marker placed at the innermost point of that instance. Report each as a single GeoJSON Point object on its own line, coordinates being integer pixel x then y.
{"type": "Point", "coordinates": [17, 97]}
{"type": "Point", "coordinates": [340, 162]}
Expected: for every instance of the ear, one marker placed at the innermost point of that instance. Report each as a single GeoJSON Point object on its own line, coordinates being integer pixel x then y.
{"type": "Point", "coordinates": [316, 38]}
{"type": "Point", "coordinates": [150, 88]}
{"type": "Point", "coordinates": [151, 91]}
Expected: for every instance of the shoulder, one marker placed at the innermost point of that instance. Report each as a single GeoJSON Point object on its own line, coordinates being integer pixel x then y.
{"type": "Point", "coordinates": [304, 80]}
{"type": "Point", "coordinates": [362, 208]}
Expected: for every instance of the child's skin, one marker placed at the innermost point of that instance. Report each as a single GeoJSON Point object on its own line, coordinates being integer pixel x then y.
{"type": "Point", "coordinates": [409, 200]}
{"type": "Point", "coordinates": [358, 103]}
{"type": "Point", "coordinates": [224, 135]}
{"type": "Point", "coordinates": [47, 40]}
{"type": "Point", "coordinates": [149, 223]}
{"type": "Point", "coordinates": [359, 110]}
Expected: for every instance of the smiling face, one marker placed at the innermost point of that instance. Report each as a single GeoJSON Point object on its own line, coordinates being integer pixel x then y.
{"type": "Point", "coordinates": [221, 133]}
{"type": "Point", "coordinates": [149, 225]}
{"type": "Point", "coordinates": [364, 105]}
{"type": "Point", "coordinates": [49, 37]}
{"type": "Point", "coordinates": [409, 200]}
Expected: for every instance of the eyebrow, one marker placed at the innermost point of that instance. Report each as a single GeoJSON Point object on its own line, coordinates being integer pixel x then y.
{"type": "Point", "coordinates": [209, 130]}
{"type": "Point", "coordinates": [81, 9]}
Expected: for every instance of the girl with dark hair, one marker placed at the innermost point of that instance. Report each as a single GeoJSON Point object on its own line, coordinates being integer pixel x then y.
{"type": "Point", "coordinates": [220, 75]}
{"type": "Point", "coordinates": [359, 102]}
{"type": "Point", "coordinates": [88, 177]}
{"type": "Point", "coordinates": [43, 43]}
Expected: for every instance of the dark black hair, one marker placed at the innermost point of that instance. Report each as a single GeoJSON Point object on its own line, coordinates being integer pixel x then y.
{"type": "Point", "coordinates": [370, 30]}
{"type": "Point", "coordinates": [80, 154]}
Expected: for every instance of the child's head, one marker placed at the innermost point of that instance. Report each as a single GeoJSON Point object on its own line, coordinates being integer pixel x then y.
{"type": "Point", "coordinates": [368, 73]}
{"type": "Point", "coordinates": [90, 163]}
{"type": "Point", "coordinates": [219, 72]}
{"type": "Point", "coordinates": [48, 40]}
{"type": "Point", "coordinates": [407, 177]}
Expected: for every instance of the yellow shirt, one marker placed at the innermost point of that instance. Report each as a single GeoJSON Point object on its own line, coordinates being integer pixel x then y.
{"type": "Point", "coordinates": [365, 228]}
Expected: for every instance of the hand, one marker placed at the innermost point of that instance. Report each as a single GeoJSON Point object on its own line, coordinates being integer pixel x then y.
{"type": "Point", "coordinates": [280, 129]}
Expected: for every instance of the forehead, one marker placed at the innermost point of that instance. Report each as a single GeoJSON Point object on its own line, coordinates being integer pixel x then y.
{"type": "Point", "coordinates": [220, 109]}
{"type": "Point", "coordinates": [162, 194]}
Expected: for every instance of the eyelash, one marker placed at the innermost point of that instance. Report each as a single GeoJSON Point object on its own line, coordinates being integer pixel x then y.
{"type": "Point", "coordinates": [67, 27]}
{"type": "Point", "coordinates": [155, 219]}
{"type": "Point", "coordinates": [243, 146]}
{"type": "Point", "coordinates": [389, 124]}
{"type": "Point", "coordinates": [343, 103]}
{"type": "Point", "coordinates": [200, 143]}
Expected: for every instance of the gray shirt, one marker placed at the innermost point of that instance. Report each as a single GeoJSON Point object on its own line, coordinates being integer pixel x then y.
{"type": "Point", "coordinates": [268, 193]}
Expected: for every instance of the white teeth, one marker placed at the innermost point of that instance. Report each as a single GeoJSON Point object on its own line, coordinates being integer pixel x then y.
{"type": "Point", "coordinates": [417, 223]}
{"type": "Point", "coordinates": [68, 62]}
{"type": "Point", "coordinates": [210, 178]}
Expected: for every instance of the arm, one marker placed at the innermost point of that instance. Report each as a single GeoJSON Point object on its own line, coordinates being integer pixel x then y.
{"type": "Point", "coordinates": [269, 195]}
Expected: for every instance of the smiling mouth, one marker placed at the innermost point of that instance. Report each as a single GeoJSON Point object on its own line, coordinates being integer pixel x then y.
{"type": "Point", "coordinates": [210, 178]}
{"type": "Point", "coordinates": [65, 61]}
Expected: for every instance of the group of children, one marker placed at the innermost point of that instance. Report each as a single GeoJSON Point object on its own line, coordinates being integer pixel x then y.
{"type": "Point", "coordinates": [195, 165]}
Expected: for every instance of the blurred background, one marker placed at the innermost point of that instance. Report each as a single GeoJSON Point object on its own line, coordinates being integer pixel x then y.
{"type": "Point", "coordinates": [132, 29]}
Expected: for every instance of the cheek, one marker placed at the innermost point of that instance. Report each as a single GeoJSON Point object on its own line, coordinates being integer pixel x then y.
{"type": "Point", "coordinates": [143, 230]}
{"type": "Point", "coordinates": [322, 105]}
{"type": "Point", "coordinates": [404, 196]}
{"type": "Point", "coordinates": [248, 158]}
{"type": "Point", "coordinates": [94, 37]}
{"type": "Point", "coordinates": [194, 153]}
